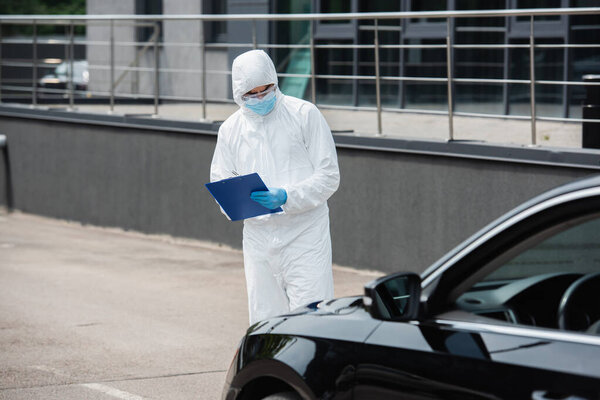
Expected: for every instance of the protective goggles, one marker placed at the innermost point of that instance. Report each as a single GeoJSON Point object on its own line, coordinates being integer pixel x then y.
{"type": "Point", "coordinates": [259, 95]}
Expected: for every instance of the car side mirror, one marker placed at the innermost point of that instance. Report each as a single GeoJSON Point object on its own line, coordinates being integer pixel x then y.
{"type": "Point", "coordinates": [394, 297]}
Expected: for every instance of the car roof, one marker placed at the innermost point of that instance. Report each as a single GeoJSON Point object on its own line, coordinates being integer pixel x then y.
{"type": "Point", "coordinates": [577, 185]}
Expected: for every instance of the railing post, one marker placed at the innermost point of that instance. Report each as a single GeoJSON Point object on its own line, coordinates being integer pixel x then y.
{"type": "Point", "coordinates": [532, 84]}
{"type": "Point", "coordinates": [313, 80]}
{"type": "Point", "coordinates": [377, 79]}
{"type": "Point", "coordinates": [203, 51]}
{"type": "Point", "coordinates": [254, 42]}
{"type": "Point", "coordinates": [71, 65]}
{"type": "Point", "coordinates": [112, 66]}
{"type": "Point", "coordinates": [156, 68]}
{"type": "Point", "coordinates": [0, 63]}
{"type": "Point", "coordinates": [449, 79]}
{"type": "Point", "coordinates": [506, 74]}
{"type": "Point", "coordinates": [7, 174]}
{"type": "Point", "coordinates": [34, 66]}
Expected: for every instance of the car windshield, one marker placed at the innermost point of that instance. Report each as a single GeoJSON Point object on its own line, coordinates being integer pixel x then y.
{"type": "Point", "coordinates": [576, 249]}
{"type": "Point", "coordinates": [550, 279]}
{"type": "Point", "coordinates": [61, 69]}
{"type": "Point", "coordinates": [79, 69]}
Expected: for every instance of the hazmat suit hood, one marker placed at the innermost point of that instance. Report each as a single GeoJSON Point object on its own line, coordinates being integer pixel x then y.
{"type": "Point", "coordinates": [249, 70]}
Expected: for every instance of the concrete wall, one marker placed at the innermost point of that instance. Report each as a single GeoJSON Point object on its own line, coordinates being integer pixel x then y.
{"type": "Point", "coordinates": [181, 51]}
{"type": "Point", "coordinates": [145, 181]}
{"type": "Point", "coordinates": [393, 211]}
{"type": "Point", "coordinates": [190, 57]}
{"type": "Point", "coordinates": [241, 31]}
{"type": "Point", "coordinates": [98, 55]}
{"type": "Point", "coordinates": [397, 211]}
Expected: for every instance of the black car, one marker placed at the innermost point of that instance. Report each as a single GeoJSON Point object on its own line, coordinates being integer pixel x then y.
{"type": "Point", "coordinates": [512, 313]}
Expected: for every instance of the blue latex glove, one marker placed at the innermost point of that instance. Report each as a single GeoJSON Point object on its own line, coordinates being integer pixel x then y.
{"type": "Point", "coordinates": [271, 198]}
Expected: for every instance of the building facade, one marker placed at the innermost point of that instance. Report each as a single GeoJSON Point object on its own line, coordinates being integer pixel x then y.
{"type": "Point", "coordinates": [356, 58]}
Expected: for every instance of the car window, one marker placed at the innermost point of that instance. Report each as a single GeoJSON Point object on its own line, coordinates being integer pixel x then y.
{"type": "Point", "coordinates": [79, 69]}
{"type": "Point", "coordinates": [574, 250]}
{"type": "Point", "coordinates": [553, 282]}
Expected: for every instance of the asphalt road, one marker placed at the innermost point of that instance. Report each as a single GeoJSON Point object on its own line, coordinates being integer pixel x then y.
{"type": "Point", "coordinates": [99, 313]}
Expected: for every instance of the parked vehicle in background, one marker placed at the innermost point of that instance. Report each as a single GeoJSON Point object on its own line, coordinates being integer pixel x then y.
{"type": "Point", "coordinates": [59, 78]}
{"type": "Point", "coordinates": [512, 313]}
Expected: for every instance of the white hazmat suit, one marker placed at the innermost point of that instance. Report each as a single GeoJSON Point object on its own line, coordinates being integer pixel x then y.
{"type": "Point", "coordinates": [287, 256]}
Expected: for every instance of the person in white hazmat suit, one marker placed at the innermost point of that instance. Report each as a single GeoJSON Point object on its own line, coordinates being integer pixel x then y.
{"type": "Point", "coordinates": [287, 256]}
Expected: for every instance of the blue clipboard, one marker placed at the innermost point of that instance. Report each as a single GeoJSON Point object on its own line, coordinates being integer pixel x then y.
{"type": "Point", "coordinates": [233, 195]}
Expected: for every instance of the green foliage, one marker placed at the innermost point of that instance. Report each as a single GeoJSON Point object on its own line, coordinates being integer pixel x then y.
{"type": "Point", "coordinates": [41, 7]}
{"type": "Point", "coordinates": [54, 7]}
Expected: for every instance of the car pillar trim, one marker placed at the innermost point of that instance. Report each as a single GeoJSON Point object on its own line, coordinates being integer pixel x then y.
{"type": "Point", "coordinates": [533, 332]}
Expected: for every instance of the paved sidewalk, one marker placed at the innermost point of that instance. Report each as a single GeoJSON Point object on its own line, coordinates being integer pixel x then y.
{"type": "Point", "coordinates": [101, 313]}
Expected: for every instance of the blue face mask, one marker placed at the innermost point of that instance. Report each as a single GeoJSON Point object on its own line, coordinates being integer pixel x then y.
{"type": "Point", "coordinates": [262, 106]}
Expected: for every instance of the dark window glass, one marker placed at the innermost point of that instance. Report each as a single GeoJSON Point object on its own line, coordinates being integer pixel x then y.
{"type": "Point", "coordinates": [479, 63]}
{"type": "Point", "coordinates": [583, 61]}
{"type": "Point", "coordinates": [425, 61]}
{"type": "Point", "coordinates": [539, 4]}
{"type": "Point", "coordinates": [292, 61]}
{"type": "Point", "coordinates": [215, 31]}
{"type": "Point", "coordinates": [335, 6]}
{"type": "Point", "coordinates": [431, 5]}
{"type": "Point", "coordinates": [430, 63]}
{"type": "Point", "coordinates": [389, 66]}
{"type": "Point", "coordinates": [585, 29]}
{"type": "Point", "coordinates": [462, 5]}
{"type": "Point", "coordinates": [389, 32]}
{"type": "Point", "coordinates": [483, 98]}
{"type": "Point", "coordinates": [334, 62]}
{"type": "Point", "coordinates": [586, 21]}
{"type": "Point", "coordinates": [426, 96]}
{"type": "Point", "coordinates": [148, 7]}
{"type": "Point", "coordinates": [378, 6]}
{"type": "Point", "coordinates": [548, 66]}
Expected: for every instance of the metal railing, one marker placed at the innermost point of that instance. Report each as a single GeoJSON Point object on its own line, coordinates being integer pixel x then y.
{"type": "Point", "coordinates": [70, 21]}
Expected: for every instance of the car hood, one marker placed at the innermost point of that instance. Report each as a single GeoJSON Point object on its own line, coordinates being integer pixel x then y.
{"type": "Point", "coordinates": [342, 319]}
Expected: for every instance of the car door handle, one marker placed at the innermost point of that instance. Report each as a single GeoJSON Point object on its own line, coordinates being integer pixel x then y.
{"type": "Point", "coordinates": [546, 395]}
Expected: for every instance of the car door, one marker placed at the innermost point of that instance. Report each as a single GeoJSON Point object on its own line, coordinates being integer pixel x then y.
{"type": "Point", "coordinates": [490, 325]}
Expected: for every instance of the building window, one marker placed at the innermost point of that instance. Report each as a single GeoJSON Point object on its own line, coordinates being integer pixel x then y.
{"type": "Point", "coordinates": [539, 4]}
{"type": "Point", "coordinates": [148, 7]}
{"type": "Point", "coordinates": [428, 63]}
{"type": "Point", "coordinates": [433, 5]}
{"type": "Point", "coordinates": [215, 31]}
{"type": "Point", "coordinates": [335, 6]}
